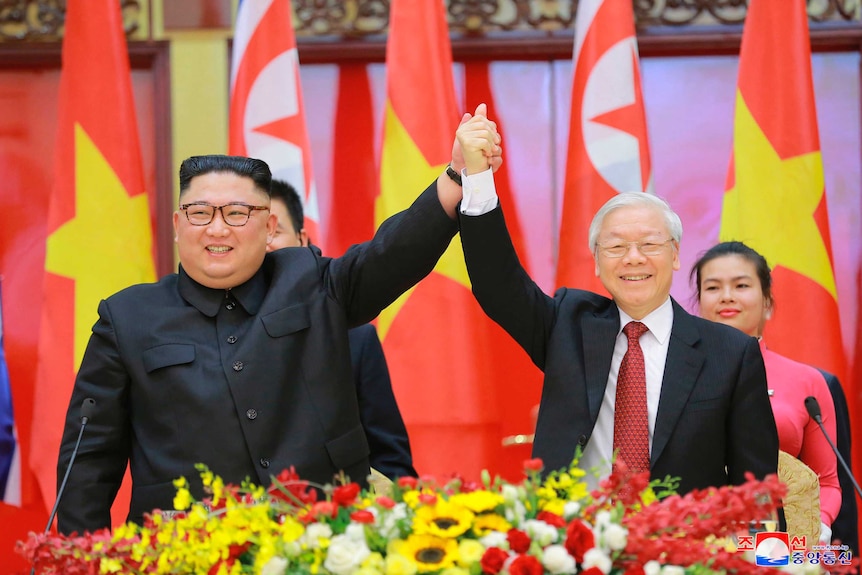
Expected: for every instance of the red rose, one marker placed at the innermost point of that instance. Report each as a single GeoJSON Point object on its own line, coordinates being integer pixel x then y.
{"type": "Point", "coordinates": [428, 498]}
{"type": "Point", "coordinates": [632, 570]}
{"type": "Point", "coordinates": [384, 501]}
{"type": "Point", "coordinates": [579, 539]}
{"type": "Point", "coordinates": [345, 495]}
{"type": "Point", "coordinates": [407, 482]}
{"type": "Point", "coordinates": [535, 464]}
{"type": "Point", "coordinates": [596, 571]}
{"type": "Point", "coordinates": [551, 519]}
{"type": "Point", "coordinates": [493, 560]}
{"type": "Point", "coordinates": [362, 516]}
{"type": "Point", "coordinates": [526, 565]}
{"type": "Point", "coordinates": [519, 542]}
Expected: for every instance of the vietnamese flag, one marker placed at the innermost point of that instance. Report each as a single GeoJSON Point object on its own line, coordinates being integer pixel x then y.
{"type": "Point", "coordinates": [441, 349]}
{"type": "Point", "coordinates": [775, 200]}
{"type": "Point", "coordinates": [608, 145]}
{"type": "Point", "coordinates": [99, 224]}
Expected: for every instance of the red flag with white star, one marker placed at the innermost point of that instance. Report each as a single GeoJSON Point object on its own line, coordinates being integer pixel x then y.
{"type": "Point", "coordinates": [608, 146]}
{"type": "Point", "coordinates": [267, 117]}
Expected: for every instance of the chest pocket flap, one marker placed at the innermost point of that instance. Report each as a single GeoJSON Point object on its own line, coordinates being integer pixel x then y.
{"type": "Point", "coordinates": [286, 321]}
{"type": "Point", "coordinates": [168, 354]}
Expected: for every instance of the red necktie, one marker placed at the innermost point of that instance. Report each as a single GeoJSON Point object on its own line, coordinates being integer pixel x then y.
{"type": "Point", "coordinates": [631, 422]}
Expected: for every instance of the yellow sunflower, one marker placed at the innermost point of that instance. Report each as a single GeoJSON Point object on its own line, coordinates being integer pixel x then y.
{"type": "Point", "coordinates": [443, 519]}
{"type": "Point", "coordinates": [428, 553]}
{"type": "Point", "coordinates": [478, 501]}
{"type": "Point", "coordinates": [488, 522]}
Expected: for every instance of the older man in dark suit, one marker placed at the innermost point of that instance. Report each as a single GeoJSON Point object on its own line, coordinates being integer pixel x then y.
{"type": "Point", "coordinates": [239, 361]}
{"type": "Point", "coordinates": [701, 410]}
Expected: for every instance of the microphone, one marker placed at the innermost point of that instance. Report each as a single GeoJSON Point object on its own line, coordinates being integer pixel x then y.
{"type": "Point", "coordinates": [88, 407]}
{"type": "Point", "coordinates": [813, 409]}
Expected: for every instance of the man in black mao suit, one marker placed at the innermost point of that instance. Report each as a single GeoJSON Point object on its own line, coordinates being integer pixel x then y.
{"type": "Point", "coordinates": [239, 361]}
{"type": "Point", "coordinates": [710, 420]}
{"type": "Point", "coordinates": [378, 410]}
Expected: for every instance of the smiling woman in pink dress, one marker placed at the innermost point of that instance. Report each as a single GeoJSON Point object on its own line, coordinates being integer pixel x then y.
{"type": "Point", "coordinates": [734, 287]}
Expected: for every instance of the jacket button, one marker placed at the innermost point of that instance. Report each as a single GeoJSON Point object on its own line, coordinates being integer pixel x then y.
{"type": "Point", "coordinates": [251, 414]}
{"type": "Point", "coordinates": [237, 366]}
{"type": "Point", "coordinates": [231, 339]}
{"type": "Point", "coordinates": [582, 440]}
{"type": "Point", "coordinates": [264, 462]}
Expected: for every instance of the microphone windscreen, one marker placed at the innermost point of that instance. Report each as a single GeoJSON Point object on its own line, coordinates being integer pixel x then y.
{"type": "Point", "coordinates": [813, 407]}
{"type": "Point", "coordinates": [88, 408]}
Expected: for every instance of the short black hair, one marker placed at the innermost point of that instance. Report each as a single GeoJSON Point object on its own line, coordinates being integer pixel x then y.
{"type": "Point", "coordinates": [281, 190]}
{"type": "Point", "coordinates": [257, 170]}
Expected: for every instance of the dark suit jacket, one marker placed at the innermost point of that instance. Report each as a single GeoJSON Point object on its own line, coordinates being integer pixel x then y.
{"type": "Point", "coordinates": [378, 410]}
{"type": "Point", "coordinates": [714, 419]}
{"type": "Point", "coordinates": [249, 381]}
{"type": "Point", "coordinates": [845, 527]}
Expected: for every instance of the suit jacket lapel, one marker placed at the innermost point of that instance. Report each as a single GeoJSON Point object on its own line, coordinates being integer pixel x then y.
{"type": "Point", "coordinates": [682, 367]}
{"type": "Point", "coordinates": [599, 332]}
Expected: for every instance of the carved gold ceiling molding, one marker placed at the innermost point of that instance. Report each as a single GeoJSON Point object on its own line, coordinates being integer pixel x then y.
{"type": "Point", "coordinates": [42, 20]}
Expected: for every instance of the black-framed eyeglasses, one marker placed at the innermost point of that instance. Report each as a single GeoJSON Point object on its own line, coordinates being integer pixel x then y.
{"type": "Point", "coordinates": [236, 214]}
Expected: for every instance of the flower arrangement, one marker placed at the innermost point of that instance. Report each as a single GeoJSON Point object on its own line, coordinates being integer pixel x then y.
{"type": "Point", "coordinates": [555, 525]}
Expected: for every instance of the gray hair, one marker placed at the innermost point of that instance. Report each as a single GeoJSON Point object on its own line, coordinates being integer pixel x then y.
{"type": "Point", "coordinates": [637, 199]}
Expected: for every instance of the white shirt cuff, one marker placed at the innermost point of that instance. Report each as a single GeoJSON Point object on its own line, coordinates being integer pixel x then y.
{"type": "Point", "coordinates": [480, 193]}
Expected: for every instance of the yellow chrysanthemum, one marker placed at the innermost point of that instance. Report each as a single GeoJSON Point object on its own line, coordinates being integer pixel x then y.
{"type": "Point", "coordinates": [399, 565]}
{"type": "Point", "coordinates": [443, 519]}
{"type": "Point", "coordinates": [488, 522]}
{"type": "Point", "coordinates": [478, 501]}
{"type": "Point", "coordinates": [411, 498]}
{"type": "Point", "coordinates": [470, 552]}
{"type": "Point", "coordinates": [454, 571]}
{"type": "Point", "coordinates": [429, 553]}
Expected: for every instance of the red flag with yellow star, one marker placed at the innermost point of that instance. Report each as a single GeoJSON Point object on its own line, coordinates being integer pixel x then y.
{"type": "Point", "coordinates": [99, 226]}
{"type": "Point", "coordinates": [443, 352]}
{"type": "Point", "coordinates": [608, 145]}
{"type": "Point", "coordinates": [775, 200]}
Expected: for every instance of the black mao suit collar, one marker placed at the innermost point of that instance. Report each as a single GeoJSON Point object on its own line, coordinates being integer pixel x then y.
{"type": "Point", "coordinates": [208, 300]}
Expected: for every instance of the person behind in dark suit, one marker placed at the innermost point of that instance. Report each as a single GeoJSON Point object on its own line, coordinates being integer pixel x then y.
{"type": "Point", "coordinates": [240, 360]}
{"type": "Point", "coordinates": [378, 410]}
{"type": "Point", "coordinates": [708, 414]}
{"type": "Point", "coordinates": [845, 528]}
{"type": "Point", "coordinates": [733, 283]}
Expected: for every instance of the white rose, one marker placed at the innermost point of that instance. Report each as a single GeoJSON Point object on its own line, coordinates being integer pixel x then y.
{"type": "Point", "coordinates": [541, 532]}
{"type": "Point", "coordinates": [516, 513]}
{"type": "Point", "coordinates": [672, 570]}
{"type": "Point", "coordinates": [345, 555]}
{"type": "Point", "coordinates": [355, 531]}
{"type": "Point", "coordinates": [570, 509]}
{"type": "Point", "coordinates": [314, 533]}
{"type": "Point", "coordinates": [616, 537]}
{"type": "Point", "coordinates": [389, 525]}
{"type": "Point", "coordinates": [598, 558]}
{"type": "Point", "coordinates": [274, 566]}
{"type": "Point", "coordinates": [603, 519]}
{"type": "Point", "coordinates": [494, 539]}
{"type": "Point", "coordinates": [652, 567]}
{"type": "Point", "coordinates": [509, 493]}
{"type": "Point", "coordinates": [556, 560]}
